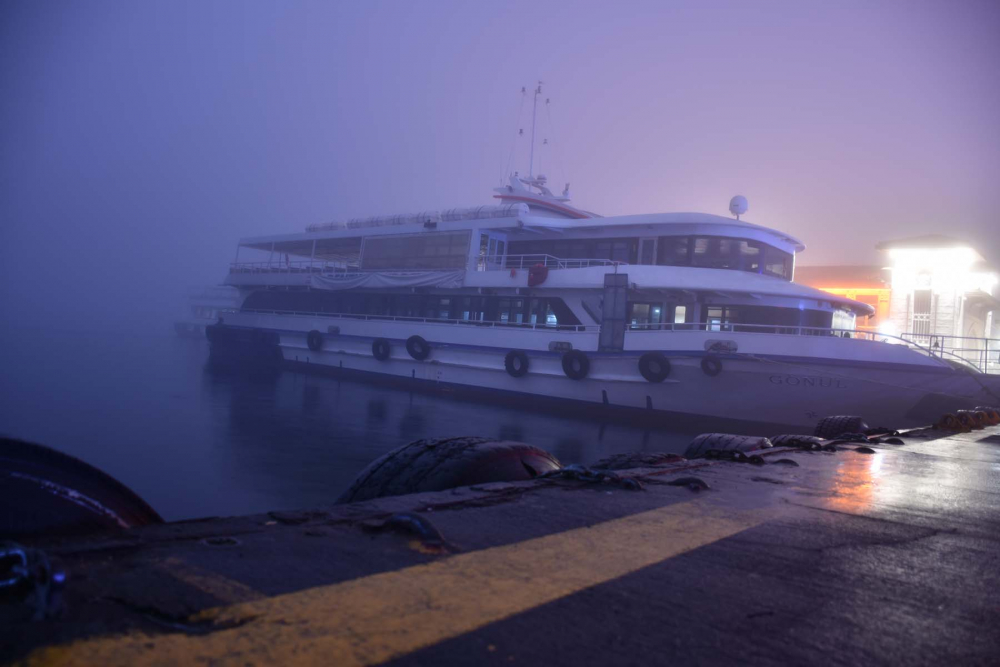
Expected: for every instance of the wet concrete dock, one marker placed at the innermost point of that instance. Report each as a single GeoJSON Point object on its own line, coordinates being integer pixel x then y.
{"type": "Point", "coordinates": [890, 557]}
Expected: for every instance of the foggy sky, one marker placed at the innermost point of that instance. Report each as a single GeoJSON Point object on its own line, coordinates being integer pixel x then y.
{"type": "Point", "coordinates": [141, 140]}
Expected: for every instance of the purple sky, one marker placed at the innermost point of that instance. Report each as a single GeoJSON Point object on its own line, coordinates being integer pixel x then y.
{"type": "Point", "coordinates": [140, 140]}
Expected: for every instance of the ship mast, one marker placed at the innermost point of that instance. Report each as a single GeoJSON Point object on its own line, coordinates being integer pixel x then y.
{"type": "Point", "coordinates": [534, 114]}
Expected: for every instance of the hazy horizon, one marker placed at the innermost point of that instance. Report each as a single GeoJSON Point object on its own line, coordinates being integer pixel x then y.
{"type": "Point", "coordinates": [140, 141]}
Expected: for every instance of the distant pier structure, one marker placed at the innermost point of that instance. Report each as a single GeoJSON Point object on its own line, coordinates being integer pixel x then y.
{"type": "Point", "coordinates": [938, 290]}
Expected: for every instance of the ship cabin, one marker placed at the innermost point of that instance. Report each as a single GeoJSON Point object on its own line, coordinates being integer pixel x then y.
{"type": "Point", "coordinates": [510, 265]}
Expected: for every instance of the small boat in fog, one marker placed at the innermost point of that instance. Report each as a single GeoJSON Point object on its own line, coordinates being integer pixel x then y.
{"type": "Point", "coordinates": [537, 300]}
{"type": "Point", "coordinates": [204, 306]}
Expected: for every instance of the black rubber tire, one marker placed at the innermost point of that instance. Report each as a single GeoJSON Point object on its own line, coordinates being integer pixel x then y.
{"type": "Point", "coordinates": [711, 365]}
{"type": "Point", "coordinates": [314, 339]}
{"type": "Point", "coordinates": [654, 367]}
{"type": "Point", "coordinates": [516, 363]}
{"type": "Point", "coordinates": [381, 349]}
{"type": "Point", "coordinates": [795, 440]}
{"type": "Point", "coordinates": [724, 442]}
{"type": "Point", "coordinates": [575, 365]}
{"type": "Point", "coordinates": [831, 427]}
{"type": "Point", "coordinates": [436, 465]}
{"type": "Point", "coordinates": [418, 348]}
{"type": "Point", "coordinates": [44, 493]}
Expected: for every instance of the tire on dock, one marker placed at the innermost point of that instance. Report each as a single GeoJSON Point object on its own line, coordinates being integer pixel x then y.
{"type": "Point", "coordinates": [993, 414]}
{"type": "Point", "coordinates": [831, 427]}
{"type": "Point", "coordinates": [724, 442]}
{"type": "Point", "coordinates": [45, 492]}
{"type": "Point", "coordinates": [439, 464]}
{"type": "Point", "coordinates": [799, 441]}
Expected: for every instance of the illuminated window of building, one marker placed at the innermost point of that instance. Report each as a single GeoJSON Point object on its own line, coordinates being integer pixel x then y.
{"type": "Point", "coordinates": [921, 324]}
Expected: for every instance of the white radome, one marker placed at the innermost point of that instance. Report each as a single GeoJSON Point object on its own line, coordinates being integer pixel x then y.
{"type": "Point", "coordinates": [738, 205]}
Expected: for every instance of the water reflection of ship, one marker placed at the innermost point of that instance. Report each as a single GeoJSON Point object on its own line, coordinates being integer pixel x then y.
{"type": "Point", "coordinates": [330, 428]}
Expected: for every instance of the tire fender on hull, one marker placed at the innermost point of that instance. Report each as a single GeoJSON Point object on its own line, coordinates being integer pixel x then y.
{"type": "Point", "coordinates": [314, 339]}
{"type": "Point", "coordinates": [654, 367]}
{"type": "Point", "coordinates": [381, 349]}
{"type": "Point", "coordinates": [516, 363]}
{"type": "Point", "coordinates": [418, 348]}
{"type": "Point", "coordinates": [711, 365]}
{"type": "Point", "coordinates": [575, 364]}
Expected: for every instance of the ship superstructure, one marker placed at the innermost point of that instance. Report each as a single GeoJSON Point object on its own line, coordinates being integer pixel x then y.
{"type": "Point", "coordinates": [536, 299]}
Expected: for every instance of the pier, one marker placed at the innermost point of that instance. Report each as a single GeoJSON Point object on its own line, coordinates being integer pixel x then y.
{"type": "Point", "coordinates": [873, 554]}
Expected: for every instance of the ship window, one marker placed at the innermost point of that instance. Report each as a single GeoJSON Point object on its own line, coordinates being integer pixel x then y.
{"type": "Point", "coordinates": [777, 263]}
{"type": "Point", "coordinates": [715, 253]}
{"type": "Point", "coordinates": [343, 251]}
{"type": "Point", "coordinates": [647, 251]}
{"type": "Point", "coordinates": [672, 251]}
{"type": "Point", "coordinates": [713, 320]}
{"type": "Point", "coordinates": [425, 251]}
{"type": "Point", "coordinates": [765, 319]}
{"type": "Point", "coordinates": [843, 319]}
{"type": "Point", "coordinates": [444, 308]}
{"type": "Point", "coordinates": [510, 311]}
{"type": "Point", "coordinates": [749, 252]}
{"type": "Point", "coordinates": [680, 314]}
{"type": "Point", "coordinates": [621, 251]}
{"type": "Point", "coordinates": [645, 315]}
{"type": "Point", "coordinates": [537, 311]}
{"type": "Point", "coordinates": [618, 250]}
{"type": "Point", "coordinates": [699, 251]}
{"type": "Point", "coordinates": [472, 308]}
{"type": "Point", "coordinates": [406, 305]}
{"type": "Point", "coordinates": [726, 254]}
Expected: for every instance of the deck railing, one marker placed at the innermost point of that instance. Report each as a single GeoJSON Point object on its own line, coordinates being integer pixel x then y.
{"type": "Point", "coordinates": [430, 320]}
{"type": "Point", "coordinates": [985, 360]}
{"type": "Point", "coordinates": [982, 354]}
{"type": "Point", "coordinates": [502, 262]}
{"type": "Point", "coordinates": [293, 266]}
{"type": "Point", "coordinates": [482, 263]}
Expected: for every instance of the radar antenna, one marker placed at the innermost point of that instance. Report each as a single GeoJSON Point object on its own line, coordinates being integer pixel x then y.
{"type": "Point", "coordinates": [738, 206]}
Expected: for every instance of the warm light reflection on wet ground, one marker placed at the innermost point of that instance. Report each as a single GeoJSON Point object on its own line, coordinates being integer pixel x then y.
{"type": "Point", "coordinates": [856, 483]}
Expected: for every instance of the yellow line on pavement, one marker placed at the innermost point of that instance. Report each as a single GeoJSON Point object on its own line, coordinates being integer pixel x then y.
{"type": "Point", "coordinates": [222, 588]}
{"type": "Point", "coordinates": [376, 618]}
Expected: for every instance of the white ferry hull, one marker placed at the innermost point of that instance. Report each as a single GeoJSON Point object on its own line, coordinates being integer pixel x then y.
{"type": "Point", "coordinates": [777, 390]}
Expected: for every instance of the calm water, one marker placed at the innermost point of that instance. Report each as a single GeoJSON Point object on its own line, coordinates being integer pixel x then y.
{"type": "Point", "coordinates": [194, 443]}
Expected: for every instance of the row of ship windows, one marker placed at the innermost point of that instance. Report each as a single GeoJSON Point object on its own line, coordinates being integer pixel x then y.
{"type": "Point", "coordinates": [651, 315]}
{"type": "Point", "coordinates": [449, 251]}
{"type": "Point", "coordinates": [532, 310]}
{"type": "Point", "coordinates": [715, 252]}
{"type": "Point", "coordinates": [506, 310]}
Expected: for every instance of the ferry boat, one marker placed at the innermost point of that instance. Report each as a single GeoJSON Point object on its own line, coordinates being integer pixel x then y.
{"type": "Point", "coordinates": [204, 305]}
{"type": "Point", "coordinates": [535, 300]}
